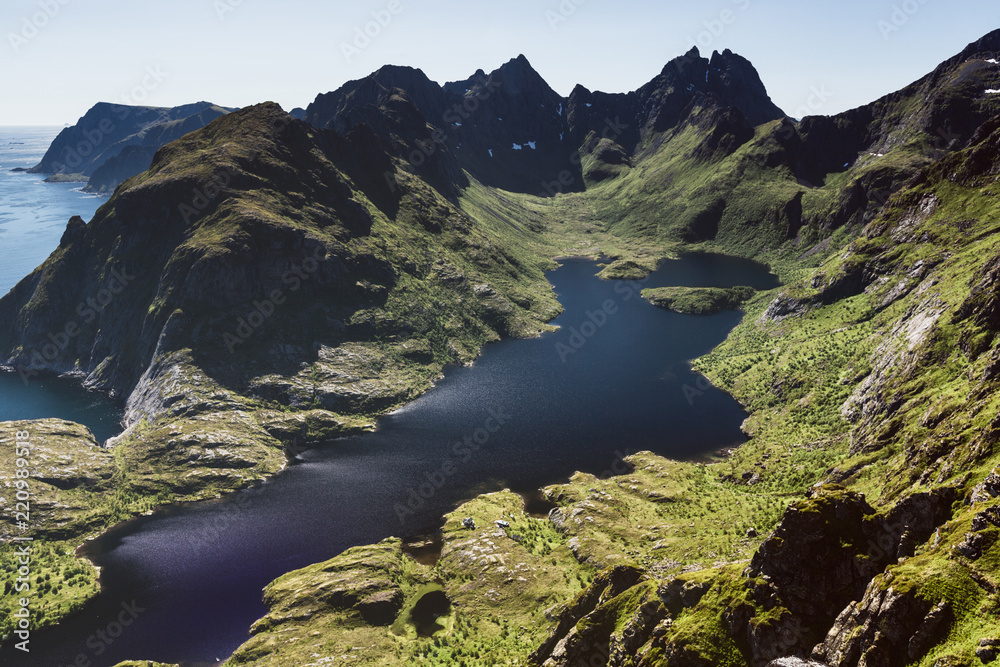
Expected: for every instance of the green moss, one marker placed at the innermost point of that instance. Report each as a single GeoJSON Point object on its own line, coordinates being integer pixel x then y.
{"type": "Point", "coordinates": [698, 300]}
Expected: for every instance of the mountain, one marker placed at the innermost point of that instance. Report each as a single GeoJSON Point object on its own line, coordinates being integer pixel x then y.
{"type": "Point", "coordinates": [113, 142]}
{"type": "Point", "coordinates": [509, 129]}
{"type": "Point", "coordinates": [859, 525]}
{"type": "Point", "coordinates": [269, 282]}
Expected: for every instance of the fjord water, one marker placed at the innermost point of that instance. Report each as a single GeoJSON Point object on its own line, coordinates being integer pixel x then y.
{"type": "Point", "coordinates": [42, 397]}
{"type": "Point", "coordinates": [612, 381]}
{"type": "Point", "coordinates": [33, 214]}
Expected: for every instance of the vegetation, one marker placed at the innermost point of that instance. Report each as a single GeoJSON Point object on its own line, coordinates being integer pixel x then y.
{"type": "Point", "coordinates": [870, 377]}
{"type": "Point", "coordinates": [698, 300]}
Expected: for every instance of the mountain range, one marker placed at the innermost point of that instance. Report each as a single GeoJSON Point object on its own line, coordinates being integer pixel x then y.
{"type": "Point", "coordinates": [402, 224]}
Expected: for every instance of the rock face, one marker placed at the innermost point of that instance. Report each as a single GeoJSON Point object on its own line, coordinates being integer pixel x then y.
{"type": "Point", "coordinates": [569, 644]}
{"type": "Point", "coordinates": [884, 628]}
{"type": "Point", "coordinates": [121, 138]}
{"type": "Point", "coordinates": [821, 560]}
{"type": "Point", "coordinates": [131, 161]}
{"type": "Point", "coordinates": [512, 131]}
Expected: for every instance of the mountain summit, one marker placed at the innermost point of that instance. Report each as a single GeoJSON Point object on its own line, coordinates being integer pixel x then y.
{"type": "Point", "coordinates": [270, 283]}
{"type": "Point", "coordinates": [509, 129]}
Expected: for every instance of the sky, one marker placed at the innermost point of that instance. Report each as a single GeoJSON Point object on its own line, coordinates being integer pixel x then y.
{"type": "Point", "coordinates": [60, 57]}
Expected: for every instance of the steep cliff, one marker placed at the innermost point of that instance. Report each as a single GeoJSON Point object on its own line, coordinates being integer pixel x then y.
{"type": "Point", "coordinates": [113, 142]}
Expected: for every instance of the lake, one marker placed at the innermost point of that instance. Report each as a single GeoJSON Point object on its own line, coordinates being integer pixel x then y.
{"type": "Point", "coordinates": [614, 380]}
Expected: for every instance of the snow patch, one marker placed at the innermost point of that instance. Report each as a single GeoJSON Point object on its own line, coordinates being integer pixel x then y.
{"type": "Point", "coordinates": [993, 61]}
{"type": "Point", "coordinates": [559, 111]}
{"type": "Point", "coordinates": [991, 91]}
{"type": "Point", "coordinates": [458, 125]}
{"type": "Point", "coordinates": [518, 147]}
{"type": "Point", "coordinates": [589, 105]}
{"type": "Point", "coordinates": [561, 136]}
{"type": "Point", "coordinates": [847, 164]}
{"type": "Point", "coordinates": [532, 145]}
{"type": "Point", "coordinates": [491, 152]}
{"type": "Point", "coordinates": [877, 154]}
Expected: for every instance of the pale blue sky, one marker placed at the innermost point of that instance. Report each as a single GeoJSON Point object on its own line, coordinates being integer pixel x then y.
{"type": "Point", "coordinates": [238, 52]}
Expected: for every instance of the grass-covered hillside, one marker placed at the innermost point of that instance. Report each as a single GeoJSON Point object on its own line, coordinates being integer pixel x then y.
{"type": "Point", "coordinates": [265, 293]}
{"type": "Point", "coordinates": [274, 284]}
{"type": "Point", "coordinates": [858, 520]}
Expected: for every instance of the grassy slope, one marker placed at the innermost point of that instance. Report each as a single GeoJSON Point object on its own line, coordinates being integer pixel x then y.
{"type": "Point", "coordinates": [791, 374]}
{"type": "Point", "coordinates": [217, 438]}
{"type": "Point", "coordinates": [795, 375]}
{"type": "Point", "coordinates": [674, 518]}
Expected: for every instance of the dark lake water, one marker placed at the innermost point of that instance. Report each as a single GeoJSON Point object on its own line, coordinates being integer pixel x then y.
{"type": "Point", "coordinates": [526, 414]}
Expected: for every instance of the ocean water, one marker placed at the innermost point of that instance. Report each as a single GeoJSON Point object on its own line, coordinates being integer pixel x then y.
{"type": "Point", "coordinates": [33, 214]}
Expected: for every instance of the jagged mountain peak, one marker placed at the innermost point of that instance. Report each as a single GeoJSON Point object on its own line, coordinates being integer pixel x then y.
{"type": "Point", "coordinates": [517, 76]}
{"type": "Point", "coordinates": [727, 76]}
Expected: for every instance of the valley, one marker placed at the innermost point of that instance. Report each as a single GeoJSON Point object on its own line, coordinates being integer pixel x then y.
{"type": "Point", "coordinates": [856, 523]}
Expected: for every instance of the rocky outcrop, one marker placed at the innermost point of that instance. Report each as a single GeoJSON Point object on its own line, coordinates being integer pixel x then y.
{"type": "Point", "coordinates": [65, 463]}
{"type": "Point", "coordinates": [822, 559]}
{"type": "Point", "coordinates": [886, 627]}
{"type": "Point", "coordinates": [981, 309]}
{"type": "Point", "coordinates": [566, 644]}
{"type": "Point", "coordinates": [364, 582]}
{"type": "Point", "coordinates": [784, 306]}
